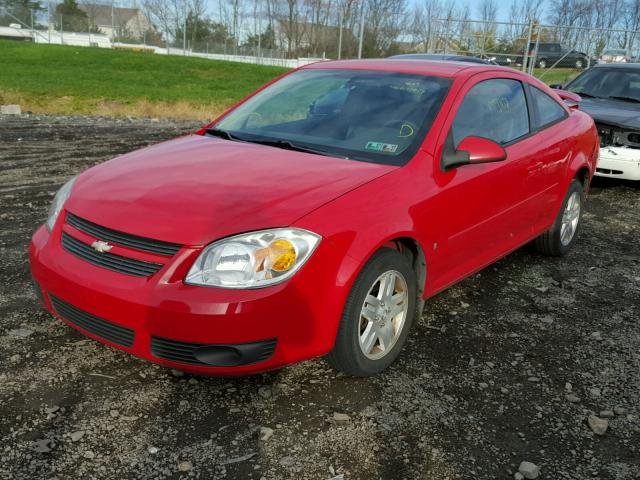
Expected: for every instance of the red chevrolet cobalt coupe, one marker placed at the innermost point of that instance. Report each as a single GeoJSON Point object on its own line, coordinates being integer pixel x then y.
{"type": "Point", "coordinates": [315, 217]}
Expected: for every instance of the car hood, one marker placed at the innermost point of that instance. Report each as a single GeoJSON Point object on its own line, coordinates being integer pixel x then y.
{"type": "Point", "coordinates": [196, 189]}
{"type": "Point", "coordinates": [612, 112]}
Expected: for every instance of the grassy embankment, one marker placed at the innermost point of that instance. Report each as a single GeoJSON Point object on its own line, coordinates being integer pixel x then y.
{"type": "Point", "coordinates": [93, 81]}
{"type": "Point", "coordinates": [72, 80]}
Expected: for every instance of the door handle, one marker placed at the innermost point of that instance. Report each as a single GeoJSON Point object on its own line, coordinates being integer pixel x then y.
{"type": "Point", "coordinates": [535, 167]}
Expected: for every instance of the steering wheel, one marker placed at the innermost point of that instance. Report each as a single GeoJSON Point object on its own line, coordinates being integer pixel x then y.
{"type": "Point", "coordinates": [405, 128]}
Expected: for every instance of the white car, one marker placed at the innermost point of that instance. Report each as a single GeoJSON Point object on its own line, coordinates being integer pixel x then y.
{"type": "Point", "coordinates": [611, 95]}
{"type": "Point", "coordinates": [615, 55]}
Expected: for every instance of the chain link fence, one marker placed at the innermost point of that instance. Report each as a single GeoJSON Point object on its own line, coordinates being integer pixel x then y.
{"type": "Point", "coordinates": [53, 27]}
{"type": "Point", "coordinates": [549, 51]}
{"type": "Point", "coordinates": [529, 46]}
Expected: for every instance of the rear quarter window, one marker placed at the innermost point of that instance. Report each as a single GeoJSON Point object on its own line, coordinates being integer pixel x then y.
{"type": "Point", "coordinates": [548, 111]}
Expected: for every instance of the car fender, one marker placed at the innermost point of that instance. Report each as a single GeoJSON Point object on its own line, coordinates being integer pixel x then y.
{"type": "Point", "coordinates": [585, 153]}
{"type": "Point", "coordinates": [357, 229]}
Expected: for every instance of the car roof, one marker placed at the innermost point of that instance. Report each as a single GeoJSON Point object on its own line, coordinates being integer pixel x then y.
{"type": "Point", "coordinates": [438, 68]}
{"type": "Point", "coordinates": [622, 66]}
{"type": "Point", "coordinates": [439, 56]}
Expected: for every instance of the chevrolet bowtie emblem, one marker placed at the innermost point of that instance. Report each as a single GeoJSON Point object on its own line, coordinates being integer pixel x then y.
{"type": "Point", "coordinates": [101, 247]}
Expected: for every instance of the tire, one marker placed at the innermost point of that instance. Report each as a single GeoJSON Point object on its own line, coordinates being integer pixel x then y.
{"type": "Point", "coordinates": [348, 355]}
{"type": "Point", "coordinates": [542, 63]}
{"type": "Point", "coordinates": [579, 64]}
{"type": "Point", "coordinates": [552, 242]}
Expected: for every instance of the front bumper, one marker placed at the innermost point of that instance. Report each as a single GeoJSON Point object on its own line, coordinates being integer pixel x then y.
{"type": "Point", "coordinates": [619, 162]}
{"type": "Point", "coordinates": [161, 319]}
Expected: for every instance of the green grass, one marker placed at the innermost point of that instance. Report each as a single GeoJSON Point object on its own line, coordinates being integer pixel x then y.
{"type": "Point", "coordinates": [75, 80]}
{"type": "Point", "coordinates": [64, 79]}
{"type": "Point", "coordinates": [556, 75]}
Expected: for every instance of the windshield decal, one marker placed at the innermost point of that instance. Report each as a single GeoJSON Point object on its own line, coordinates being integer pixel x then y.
{"type": "Point", "coordinates": [381, 147]}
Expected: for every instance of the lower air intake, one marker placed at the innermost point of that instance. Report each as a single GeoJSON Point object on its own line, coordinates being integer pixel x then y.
{"type": "Point", "coordinates": [222, 355]}
{"type": "Point", "coordinates": [102, 328]}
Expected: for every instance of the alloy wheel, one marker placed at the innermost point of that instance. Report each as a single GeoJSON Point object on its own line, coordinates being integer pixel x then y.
{"type": "Point", "coordinates": [383, 315]}
{"type": "Point", "coordinates": [570, 218]}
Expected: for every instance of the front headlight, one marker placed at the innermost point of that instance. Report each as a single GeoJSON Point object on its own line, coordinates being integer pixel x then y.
{"type": "Point", "coordinates": [58, 202]}
{"type": "Point", "coordinates": [253, 260]}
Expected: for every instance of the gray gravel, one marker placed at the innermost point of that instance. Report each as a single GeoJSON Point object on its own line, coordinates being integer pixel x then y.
{"type": "Point", "coordinates": [504, 368]}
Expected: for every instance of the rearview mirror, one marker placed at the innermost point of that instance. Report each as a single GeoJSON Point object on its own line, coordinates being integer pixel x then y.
{"type": "Point", "coordinates": [472, 150]}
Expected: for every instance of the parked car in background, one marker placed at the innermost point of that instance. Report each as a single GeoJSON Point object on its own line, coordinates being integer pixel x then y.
{"type": "Point", "coordinates": [506, 59]}
{"type": "Point", "coordinates": [316, 216]}
{"type": "Point", "coordinates": [611, 95]}
{"type": "Point", "coordinates": [444, 57]}
{"type": "Point", "coordinates": [615, 55]}
{"type": "Point", "coordinates": [554, 54]}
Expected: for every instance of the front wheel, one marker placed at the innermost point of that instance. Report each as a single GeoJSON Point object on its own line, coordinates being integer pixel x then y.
{"type": "Point", "coordinates": [579, 64]}
{"type": "Point", "coordinates": [542, 63]}
{"type": "Point", "coordinates": [558, 240]}
{"type": "Point", "coordinates": [377, 316]}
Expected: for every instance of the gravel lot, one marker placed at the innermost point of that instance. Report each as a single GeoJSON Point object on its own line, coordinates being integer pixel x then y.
{"type": "Point", "coordinates": [505, 367]}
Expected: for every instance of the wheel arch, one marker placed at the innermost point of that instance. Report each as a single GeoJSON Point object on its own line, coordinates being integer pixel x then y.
{"type": "Point", "coordinates": [580, 169]}
{"type": "Point", "coordinates": [411, 248]}
{"type": "Point", "coordinates": [583, 175]}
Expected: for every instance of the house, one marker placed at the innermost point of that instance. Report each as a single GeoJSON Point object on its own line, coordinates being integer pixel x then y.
{"type": "Point", "coordinates": [127, 22]}
{"type": "Point", "coordinates": [311, 37]}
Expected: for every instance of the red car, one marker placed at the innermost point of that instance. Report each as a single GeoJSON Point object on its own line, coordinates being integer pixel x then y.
{"type": "Point", "coordinates": [316, 216]}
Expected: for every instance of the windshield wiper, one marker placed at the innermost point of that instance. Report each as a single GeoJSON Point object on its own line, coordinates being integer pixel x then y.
{"type": "Point", "coordinates": [217, 132]}
{"type": "Point", "coordinates": [626, 99]}
{"type": "Point", "coordinates": [287, 145]}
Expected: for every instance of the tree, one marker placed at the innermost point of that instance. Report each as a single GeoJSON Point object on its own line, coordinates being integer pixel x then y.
{"type": "Point", "coordinates": [70, 18]}
{"type": "Point", "coordinates": [20, 11]}
{"type": "Point", "coordinates": [202, 30]}
{"type": "Point", "coordinates": [266, 39]}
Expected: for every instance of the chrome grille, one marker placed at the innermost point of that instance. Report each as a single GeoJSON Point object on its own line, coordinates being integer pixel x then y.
{"type": "Point", "coordinates": [111, 261]}
{"type": "Point", "coordinates": [124, 239]}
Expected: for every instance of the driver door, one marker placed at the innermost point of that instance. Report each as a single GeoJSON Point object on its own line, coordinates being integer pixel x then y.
{"type": "Point", "coordinates": [478, 207]}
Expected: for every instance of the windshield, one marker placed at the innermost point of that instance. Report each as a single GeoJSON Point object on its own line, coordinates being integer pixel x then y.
{"type": "Point", "coordinates": [379, 117]}
{"type": "Point", "coordinates": [608, 83]}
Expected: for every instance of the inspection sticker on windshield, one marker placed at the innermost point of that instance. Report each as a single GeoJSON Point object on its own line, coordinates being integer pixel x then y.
{"type": "Point", "coordinates": [381, 147]}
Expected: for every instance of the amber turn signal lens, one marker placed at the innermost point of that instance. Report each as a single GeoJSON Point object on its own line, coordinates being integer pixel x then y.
{"type": "Point", "coordinates": [282, 255]}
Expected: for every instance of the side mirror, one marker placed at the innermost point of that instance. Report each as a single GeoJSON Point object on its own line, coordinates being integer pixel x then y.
{"type": "Point", "coordinates": [556, 86]}
{"type": "Point", "coordinates": [471, 150]}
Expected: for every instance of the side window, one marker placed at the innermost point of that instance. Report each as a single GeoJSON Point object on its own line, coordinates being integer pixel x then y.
{"type": "Point", "coordinates": [495, 109]}
{"type": "Point", "coordinates": [547, 109]}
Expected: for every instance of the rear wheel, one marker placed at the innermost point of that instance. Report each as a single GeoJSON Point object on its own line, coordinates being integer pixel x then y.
{"type": "Point", "coordinates": [560, 238]}
{"type": "Point", "coordinates": [377, 316]}
{"type": "Point", "coordinates": [579, 63]}
{"type": "Point", "coordinates": [542, 63]}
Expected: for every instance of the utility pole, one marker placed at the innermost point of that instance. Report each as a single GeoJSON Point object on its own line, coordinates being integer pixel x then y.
{"type": "Point", "coordinates": [340, 37]}
{"type": "Point", "coordinates": [49, 20]}
{"type": "Point", "coordinates": [532, 63]}
{"type": "Point", "coordinates": [113, 23]}
{"type": "Point", "coordinates": [33, 34]}
{"type": "Point", "coordinates": [525, 50]}
{"type": "Point", "coordinates": [184, 36]}
{"type": "Point", "coordinates": [361, 30]}
{"type": "Point", "coordinates": [61, 31]}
